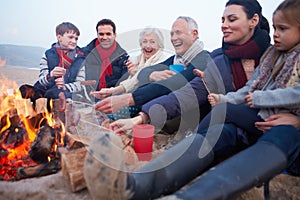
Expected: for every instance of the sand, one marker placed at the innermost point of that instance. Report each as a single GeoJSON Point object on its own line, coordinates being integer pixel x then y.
{"type": "Point", "coordinates": [19, 75]}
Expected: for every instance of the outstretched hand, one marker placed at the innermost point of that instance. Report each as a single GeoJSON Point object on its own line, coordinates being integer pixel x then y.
{"type": "Point", "coordinates": [103, 93]}
{"type": "Point", "coordinates": [122, 126]}
{"type": "Point", "coordinates": [161, 75]}
{"type": "Point", "coordinates": [113, 104]}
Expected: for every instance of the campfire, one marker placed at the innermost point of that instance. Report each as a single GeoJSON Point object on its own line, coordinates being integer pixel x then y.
{"type": "Point", "coordinates": [29, 135]}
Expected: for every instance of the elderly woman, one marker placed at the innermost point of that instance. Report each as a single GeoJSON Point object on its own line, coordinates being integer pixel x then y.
{"type": "Point", "coordinates": [152, 43]}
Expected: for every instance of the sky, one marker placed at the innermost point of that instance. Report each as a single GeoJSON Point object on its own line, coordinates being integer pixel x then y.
{"type": "Point", "coordinates": [33, 22]}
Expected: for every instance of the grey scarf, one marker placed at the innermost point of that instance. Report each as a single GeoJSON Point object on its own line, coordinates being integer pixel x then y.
{"type": "Point", "coordinates": [188, 56]}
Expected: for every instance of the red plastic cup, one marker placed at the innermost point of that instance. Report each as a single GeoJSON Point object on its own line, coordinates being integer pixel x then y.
{"type": "Point", "coordinates": [143, 136]}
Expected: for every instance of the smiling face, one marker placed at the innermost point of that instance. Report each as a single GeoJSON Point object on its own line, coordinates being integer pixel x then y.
{"type": "Point", "coordinates": [68, 40]}
{"type": "Point", "coordinates": [182, 37]}
{"type": "Point", "coordinates": [286, 32]}
{"type": "Point", "coordinates": [106, 36]}
{"type": "Point", "coordinates": [149, 44]}
{"type": "Point", "coordinates": [236, 27]}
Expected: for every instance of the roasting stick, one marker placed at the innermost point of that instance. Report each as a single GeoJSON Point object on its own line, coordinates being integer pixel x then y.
{"type": "Point", "coordinates": [201, 74]}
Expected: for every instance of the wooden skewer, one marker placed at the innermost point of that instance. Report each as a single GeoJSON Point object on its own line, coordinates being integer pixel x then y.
{"type": "Point", "coordinates": [201, 74]}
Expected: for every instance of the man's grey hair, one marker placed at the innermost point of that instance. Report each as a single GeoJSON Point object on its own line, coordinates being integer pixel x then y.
{"type": "Point", "coordinates": [192, 24]}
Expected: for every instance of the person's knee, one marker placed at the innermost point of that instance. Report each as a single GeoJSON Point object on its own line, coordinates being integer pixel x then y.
{"type": "Point", "coordinates": [285, 137]}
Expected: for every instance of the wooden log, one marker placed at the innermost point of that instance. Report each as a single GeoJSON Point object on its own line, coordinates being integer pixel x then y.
{"type": "Point", "coordinates": [41, 147]}
{"type": "Point", "coordinates": [72, 163]}
{"type": "Point", "coordinates": [24, 108]}
{"type": "Point", "coordinates": [41, 105]}
{"type": "Point", "coordinates": [39, 170]}
{"type": "Point", "coordinates": [72, 117]}
{"type": "Point", "coordinates": [77, 141]}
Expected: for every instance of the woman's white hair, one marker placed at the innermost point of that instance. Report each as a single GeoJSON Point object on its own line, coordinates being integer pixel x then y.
{"type": "Point", "coordinates": [156, 31]}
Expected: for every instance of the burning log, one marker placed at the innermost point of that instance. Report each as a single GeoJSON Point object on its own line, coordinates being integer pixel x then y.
{"type": "Point", "coordinates": [39, 170]}
{"type": "Point", "coordinates": [42, 145]}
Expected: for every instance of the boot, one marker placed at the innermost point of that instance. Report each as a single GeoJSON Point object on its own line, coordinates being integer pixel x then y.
{"type": "Point", "coordinates": [247, 169]}
{"type": "Point", "coordinates": [166, 174]}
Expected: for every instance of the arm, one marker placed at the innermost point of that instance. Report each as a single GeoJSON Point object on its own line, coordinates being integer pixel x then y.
{"type": "Point", "coordinates": [130, 84]}
{"type": "Point", "coordinates": [44, 77]}
{"type": "Point", "coordinates": [76, 86]}
{"type": "Point", "coordinates": [238, 97]}
{"type": "Point", "coordinates": [181, 102]}
{"type": "Point", "coordinates": [155, 89]}
{"type": "Point", "coordinates": [122, 125]}
{"type": "Point", "coordinates": [281, 97]}
{"type": "Point", "coordinates": [144, 75]}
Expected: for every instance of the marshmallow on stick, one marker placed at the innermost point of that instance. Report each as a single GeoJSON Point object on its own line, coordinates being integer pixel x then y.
{"type": "Point", "coordinates": [201, 74]}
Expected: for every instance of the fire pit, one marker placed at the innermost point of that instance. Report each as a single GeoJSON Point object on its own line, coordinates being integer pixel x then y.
{"type": "Point", "coordinates": [29, 138]}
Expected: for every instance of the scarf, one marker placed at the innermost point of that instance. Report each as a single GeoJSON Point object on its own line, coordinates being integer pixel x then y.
{"type": "Point", "coordinates": [253, 49]}
{"type": "Point", "coordinates": [154, 59]}
{"type": "Point", "coordinates": [282, 67]}
{"type": "Point", "coordinates": [188, 56]}
{"type": "Point", "coordinates": [106, 67]}
{"type": "Point", "coordinates": [65, 60]}
{"type": "Point", "coordinates": [284, 72]}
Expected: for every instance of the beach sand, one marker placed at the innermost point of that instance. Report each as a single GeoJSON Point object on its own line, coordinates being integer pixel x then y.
{"type": "Point", "coordinates": [19, 75]}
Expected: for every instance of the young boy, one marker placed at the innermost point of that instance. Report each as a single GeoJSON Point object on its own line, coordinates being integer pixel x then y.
{"type": "Point", "coordinates": [60, 67]}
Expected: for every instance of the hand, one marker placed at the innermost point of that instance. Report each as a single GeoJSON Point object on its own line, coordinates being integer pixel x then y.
{"type": "Point", "coordinates": [103, 93]}
{"type": "Point", "coordinates": [59, 82]}
{"type": "Point", "coordinates": [113, 104]}
{"type": "Point", "coordinates": [213, 99]}
{"type": "Point", "coordinates": [57, 72]}
{"type": "Point", "coordinates": [161, 75]}
{"type": "Point", "coordinates": [279, 119]}
{"type": "Point", "coordinates": [121, 126]}
{"type": "Point", "coordinates": [249, 99]}
{"type": "Point", "coordinates": [131, 67]}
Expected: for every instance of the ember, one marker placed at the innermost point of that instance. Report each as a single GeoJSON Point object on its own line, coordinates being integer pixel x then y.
{"type": "Point", "coordinates": [21, 128]}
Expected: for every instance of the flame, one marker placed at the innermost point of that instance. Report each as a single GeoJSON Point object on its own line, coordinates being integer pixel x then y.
{"type": "Point", "coordinates": [12, 104]}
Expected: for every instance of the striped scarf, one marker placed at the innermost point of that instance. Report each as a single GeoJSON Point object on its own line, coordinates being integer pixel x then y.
{"type": "Point", "coordinates": [65, 60]}
{"type": "Point", "coordinates": [188, 56]}
{"type": "Point", "coordinates": [284, 72]}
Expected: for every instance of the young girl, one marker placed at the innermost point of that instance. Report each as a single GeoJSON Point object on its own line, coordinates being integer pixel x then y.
{"type": "Point", "coordinates": [274, 87]}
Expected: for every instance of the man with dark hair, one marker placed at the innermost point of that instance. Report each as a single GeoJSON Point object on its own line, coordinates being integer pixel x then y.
{"type": "Point", "coordinates": [105, 58]}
